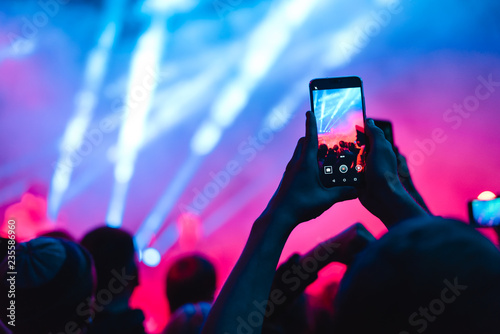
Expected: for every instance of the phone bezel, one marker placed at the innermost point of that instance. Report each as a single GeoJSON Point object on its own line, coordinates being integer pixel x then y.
{"type": "Point", "coordinates": [338, 83]}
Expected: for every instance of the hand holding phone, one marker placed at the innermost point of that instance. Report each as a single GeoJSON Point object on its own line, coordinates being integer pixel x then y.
{"type": "Point", "coordinates": [300, 196]}
{"type": "Point", "coordinates": [384, 195]}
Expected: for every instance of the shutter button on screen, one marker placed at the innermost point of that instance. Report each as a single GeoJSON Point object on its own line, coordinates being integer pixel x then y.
{"type": "Point", "coordinates": [343, 168]}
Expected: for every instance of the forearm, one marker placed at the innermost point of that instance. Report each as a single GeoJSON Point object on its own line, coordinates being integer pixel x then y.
{"type": "Point", "coordinates": [249, 283]}
{"type": "Point", "coordinates": [298, 272]}
{"type": "Point", "coordinates": [412, 190]}
{"type": "Point", "coordinates": [403, 207]}
{"type": "Point", "coordinates": [322, 255]}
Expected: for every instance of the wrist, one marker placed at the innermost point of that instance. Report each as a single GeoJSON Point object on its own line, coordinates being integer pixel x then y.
{"type": "Point", "coordinates": [273, 225]}
{"type": "Point", "coordinates": [403, 206]}
{"type": "Point", "coordinates": [283, 216]}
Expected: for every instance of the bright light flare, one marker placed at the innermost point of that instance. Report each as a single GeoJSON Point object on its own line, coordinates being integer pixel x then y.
{"type": "Point", "coordinates": [486, 196]}
{"type": "Point", "coordinates": [151, 257]}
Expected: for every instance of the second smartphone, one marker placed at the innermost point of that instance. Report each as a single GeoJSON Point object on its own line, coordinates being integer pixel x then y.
{"type": "Point", "coordinates": [339, 107]}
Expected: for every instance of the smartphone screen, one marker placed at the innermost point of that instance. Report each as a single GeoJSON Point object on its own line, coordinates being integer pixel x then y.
{"type": "Point", "coordinates": [338, 105]}
{"type": "Point", "coordinates": [485, 213]}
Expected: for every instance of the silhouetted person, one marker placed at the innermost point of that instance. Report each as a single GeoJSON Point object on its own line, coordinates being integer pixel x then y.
{"type": "Point", "coordinates": [53, 287]}
{"type": "Point", "coordinates": [300, 198]}
{"type": "Point", "coordinates": [322, 152]}
{"type": "Point", "coordinates": [497, 231]}
{"type": "Point", "coordinates": [117, 277]}
{"type": "Point", "coordinates": [188, 319]}
{"type": "Point", "coordinates": [360, 137]}
{"type": "Point", "coordinates": [426, 274]}
{"type": "Point", "coordinates": [61, 234]}
{"type": "Point", "coordinates": [293, 314]}
{"type": "Point", "coordinates": [191, 279]}
{"type": "Point", "coordinates": [352, 147]}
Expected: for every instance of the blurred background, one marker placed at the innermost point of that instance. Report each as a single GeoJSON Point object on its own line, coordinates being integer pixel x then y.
{"type": "Point", "coordinates": [175, 119]}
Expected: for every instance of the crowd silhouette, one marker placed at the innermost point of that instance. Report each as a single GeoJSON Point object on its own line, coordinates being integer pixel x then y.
{"type": "Point", "coordinates": [426, 274]}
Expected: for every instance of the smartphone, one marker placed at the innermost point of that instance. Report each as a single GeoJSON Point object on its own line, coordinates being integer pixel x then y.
{"type": "Point", "coordinates": [339, 107]}
{"type": "Point", "coordinates": [484, 213]}
{"type": "Point", "coordinates": [385, 126]}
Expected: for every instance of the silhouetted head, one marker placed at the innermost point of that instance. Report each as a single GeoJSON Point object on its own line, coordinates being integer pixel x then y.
{"type": "Point", "coordinates": [190, 279]}
{"type": "Point", "coordinates": [60, 234]}
{"type": "Point", "coordinates": [360, 138]}
{"type": "Point", "coordinates": [322, 150]}
{"type": "Point", "coordinates": [188, 319]}
{"type": "Point", "coordinates": [114, 255]}
{"type": "Point", "coordinates": [53, 287]}
{"type": "Point", "coordinates": [433, 275]}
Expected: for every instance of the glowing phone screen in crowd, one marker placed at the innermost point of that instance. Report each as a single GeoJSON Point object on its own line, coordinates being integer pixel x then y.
{"type": "Point", "coordinates": [486, 213]}
{"type": "Point", "coordinates": [341, 136]}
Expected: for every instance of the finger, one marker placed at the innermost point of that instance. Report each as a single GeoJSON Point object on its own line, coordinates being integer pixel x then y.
{"type": "Point", "coordinates": [396, 150]}
{"type": "Point", "coordinates": [311, 143]}
{"type": "Point", "coordinates": [298, 149]}
{"type": "Point", "coordinates": [374, 133]}
{"type": "Point", "coordinates": [297, 153]}
{"type": "Point", "coordinates": [367, 235]}
{"type": "Point", "coordinates": [401, 159]}
{"type": "Point", "coordinates": [363, 232]}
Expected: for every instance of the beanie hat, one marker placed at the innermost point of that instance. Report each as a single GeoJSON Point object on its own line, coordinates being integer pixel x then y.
{"type": "Point", "coordinates": [53, 286]}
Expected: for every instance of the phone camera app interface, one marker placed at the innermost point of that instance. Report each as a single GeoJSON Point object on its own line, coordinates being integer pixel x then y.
{"type": "Point", "coordinates": [341, 135]}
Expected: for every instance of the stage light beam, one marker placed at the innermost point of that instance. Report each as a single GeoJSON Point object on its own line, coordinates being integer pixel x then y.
{"type": "Point", "coordinates": [85, 102]}
{"type": "Point", "coordinates": [265, 44]}
{"type": "Point", "coordinates": [145, 63]}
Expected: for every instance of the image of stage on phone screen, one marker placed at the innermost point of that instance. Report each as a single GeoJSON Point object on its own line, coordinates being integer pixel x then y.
{"type": "Point", "coordinates": [341, 137]}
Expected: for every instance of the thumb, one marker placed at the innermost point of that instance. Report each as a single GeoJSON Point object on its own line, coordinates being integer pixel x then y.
{"type": "Point", "coordinates": [374, 133]}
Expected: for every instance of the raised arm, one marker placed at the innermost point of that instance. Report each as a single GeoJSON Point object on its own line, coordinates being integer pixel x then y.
{"type": "Point", "coordinates": [243, 301]}
{"type": "Point", "coordinates": [298, 272]}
